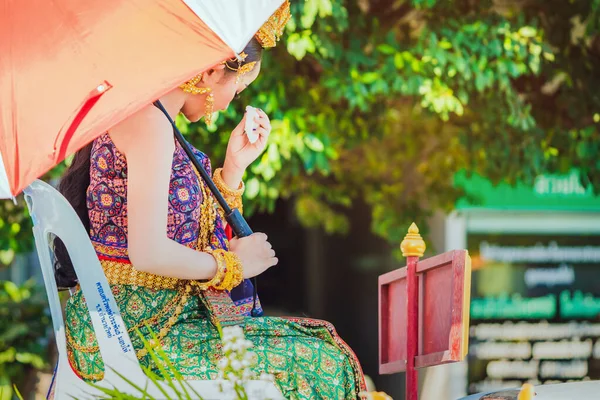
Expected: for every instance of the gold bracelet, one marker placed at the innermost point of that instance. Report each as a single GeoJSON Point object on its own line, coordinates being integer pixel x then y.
{"type": "Point", "coordinates": [237, 271]}
{"type": "Point", "coordinates": [219, 277]}
{"type": "Point", "coordinates": [226, 190]}
{"type": "Point", "coordinates": [233, 197]}
{"type": "Point", "coordinates": [228, 278]}
{"type": "Point", "coordinates": [233, 272]}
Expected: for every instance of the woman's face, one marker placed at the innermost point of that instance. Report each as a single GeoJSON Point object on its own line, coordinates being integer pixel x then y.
{"type": "Point", "coordinates": [224, 88]}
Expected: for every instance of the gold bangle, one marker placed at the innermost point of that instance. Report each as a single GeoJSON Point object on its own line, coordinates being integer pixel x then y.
{"type": "Point", "coordinates": [234, 271]}
{"type": "Point", "coordinates": [232, 197]}
{"type": "Point", "coordinates": [225, 284]}
{"type": "Point", "coordinates": [222, 186]}
{"type": "Point", "coordinates": [220, 275]}
{"type": "Point", "coordinates": [238, 270]}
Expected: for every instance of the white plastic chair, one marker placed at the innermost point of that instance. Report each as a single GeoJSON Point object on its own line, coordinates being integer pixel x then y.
{"type": "Point", "coordinates": [52, 214]}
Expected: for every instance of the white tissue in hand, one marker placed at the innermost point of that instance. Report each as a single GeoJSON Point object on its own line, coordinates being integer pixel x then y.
{"type": "Point", "coordinates": [251, 125]}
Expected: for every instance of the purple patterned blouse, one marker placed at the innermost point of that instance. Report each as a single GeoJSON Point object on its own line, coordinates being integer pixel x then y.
{"type": "Point", "coordinates": [107, 208]}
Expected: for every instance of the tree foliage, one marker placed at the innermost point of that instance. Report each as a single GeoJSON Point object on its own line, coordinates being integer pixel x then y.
{"type": "Point", "coordinates": [384, 101]}
{"type": "Point", "coordinates": [381, 102]}
{"type": "Point", "coordinates": [23, 332]}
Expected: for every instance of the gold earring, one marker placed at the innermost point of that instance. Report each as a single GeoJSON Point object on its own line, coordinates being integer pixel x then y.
{"type": "Point", "coordinates": [190, 86]}
{"type": "Point", "coordinates": [210, 102]}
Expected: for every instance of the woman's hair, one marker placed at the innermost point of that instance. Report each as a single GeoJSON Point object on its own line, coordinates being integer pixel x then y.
{"type": "Point", "coordinates": [73, 186]}
{"type": "Point", "coordinates": [74, 183]}
{"type": "Point", "coordinates": [253, 52]}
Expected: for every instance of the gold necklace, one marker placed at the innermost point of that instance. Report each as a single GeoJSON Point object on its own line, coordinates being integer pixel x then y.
{"type": "Point", "coordinates": [208, 215]}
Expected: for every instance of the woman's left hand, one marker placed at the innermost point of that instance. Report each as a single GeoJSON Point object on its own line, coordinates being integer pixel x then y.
{"type": "Point", "coordinates": [240, 152]}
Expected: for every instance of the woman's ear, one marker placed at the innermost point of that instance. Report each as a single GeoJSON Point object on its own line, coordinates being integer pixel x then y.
{"type": "Point", "coordinates": [214, 74]}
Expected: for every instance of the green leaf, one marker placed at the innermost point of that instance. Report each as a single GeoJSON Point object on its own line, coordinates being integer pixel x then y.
{"type": "Point", "coordinates": [6, 391]}
{"type": "Point", "coordinates": [311, 8]}
{"type": "Point", "coordinates": [527, 31]}
{"type": "Point", "coordinates": [386, 49]}
{"type": "Point", "coordinates": [273, 153]}
{"type": "Point", "coordinates": [325, 8]}
{"type": "Point", "coordinates": [272, 193]}
{"type": "Point", "coordinates": [445, 44]}
{"type": "Point", "coordinates": [69, 160]}
{"type": "Point", "coordinates": [299, 45]}
{"type": "Point", "coordinates": [252, 188]}
{"type": "Point", "coordinates": [399, 61]}
{"type": "Point", "coordinates": [314, 143]}
{"type": "Point", "coordinates": [370, 77]}
{"type": "Point", "coordinates": [7, 256]}
{"type": "Point", "coordinates": [30, 358]}
{"type": "Point", "coordinates": [13, 291]}
{"type": "Point", "coordinates": [8, 356]}
{"type": "Point", "coordinates": [15, 228]}
{"type": "Point", "coordinates": [17, 393]}
{"type": "Point", "coordinates": [268, 173]}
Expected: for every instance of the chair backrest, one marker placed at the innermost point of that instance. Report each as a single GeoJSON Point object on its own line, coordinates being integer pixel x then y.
{"type": "Point", "coordinates": [53, 215]}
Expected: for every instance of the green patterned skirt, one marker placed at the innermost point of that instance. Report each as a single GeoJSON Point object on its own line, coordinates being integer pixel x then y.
{"type": "Point", "coordinates": [306, 357]}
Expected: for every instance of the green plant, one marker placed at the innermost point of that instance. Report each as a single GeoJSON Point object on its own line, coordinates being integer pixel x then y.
{"type": "Point", "coordinates": [23, 334]}
{"type": "Point", "coordinates": [15, 231]}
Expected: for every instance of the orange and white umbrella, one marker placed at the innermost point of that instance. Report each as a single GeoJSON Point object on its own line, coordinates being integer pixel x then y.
{"type": "Point", "coordinates": [72, 69]}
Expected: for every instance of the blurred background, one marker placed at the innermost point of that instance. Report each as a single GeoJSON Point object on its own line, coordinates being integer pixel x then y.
{"type": "Point", "coordinates": [477, 119]}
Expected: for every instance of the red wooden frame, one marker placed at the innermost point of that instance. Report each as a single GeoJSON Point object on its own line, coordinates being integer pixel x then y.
{"type": "Point", "coordinates": [444, 285]}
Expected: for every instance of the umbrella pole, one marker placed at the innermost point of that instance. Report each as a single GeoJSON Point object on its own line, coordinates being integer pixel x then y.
{"type": "Point", "coordinates": [234, 218]}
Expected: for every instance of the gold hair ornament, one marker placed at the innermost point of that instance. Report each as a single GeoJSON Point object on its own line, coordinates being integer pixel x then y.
{"type": "Point", "coordinates": [241, 69]}
{"type": "Point", "coordinates": [268, 35]}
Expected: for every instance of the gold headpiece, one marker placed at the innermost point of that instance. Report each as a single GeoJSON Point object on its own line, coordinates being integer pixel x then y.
{"type": "Point", "coordinates": [268, 35]}
{"type": "Point", "coordinates": [241, 69]}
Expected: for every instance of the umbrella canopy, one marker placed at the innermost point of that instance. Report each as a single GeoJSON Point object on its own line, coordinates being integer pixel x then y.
{"type": "Point", "coordinates": [71, 69]}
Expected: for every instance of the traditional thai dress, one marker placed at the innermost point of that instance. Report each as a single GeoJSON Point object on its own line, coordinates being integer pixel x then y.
{"type": "Point", "coordinates": [306, 357]}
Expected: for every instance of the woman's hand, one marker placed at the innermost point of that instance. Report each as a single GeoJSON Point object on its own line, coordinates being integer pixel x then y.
{"type": "Point", "coordinates": [240, 152]}
{"type": "Point", "coordinates": [255, 253]}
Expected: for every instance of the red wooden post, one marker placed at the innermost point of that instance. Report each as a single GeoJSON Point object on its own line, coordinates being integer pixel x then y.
{"type": "Point", "coordinates": [413, 248]}
{"type": "Point", "coordinates": [412, 328]}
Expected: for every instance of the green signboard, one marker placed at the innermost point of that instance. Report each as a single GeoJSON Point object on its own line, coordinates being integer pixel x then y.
{"type": "Point", "coordinates": [549, 192]}
{"type": "Point", "coordinates": [535, 310]}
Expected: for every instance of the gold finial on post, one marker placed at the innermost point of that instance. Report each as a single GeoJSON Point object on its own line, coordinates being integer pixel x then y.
{"type": "Point", "coordinates": [527, 392]}
{"type": "Point", "coordinates": [413, 244]}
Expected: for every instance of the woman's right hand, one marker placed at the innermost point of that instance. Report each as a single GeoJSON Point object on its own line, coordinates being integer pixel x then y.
{"type": "Point", "coordinates": [255, 253]}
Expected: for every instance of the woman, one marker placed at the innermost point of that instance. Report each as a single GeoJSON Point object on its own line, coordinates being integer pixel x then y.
{"type": "Point", "coordinates": [163, 247]}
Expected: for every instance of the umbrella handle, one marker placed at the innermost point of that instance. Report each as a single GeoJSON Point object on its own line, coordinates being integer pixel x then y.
{"type": "Point", "coordinates": [234, 218]}
{"type": "Point", "coordinates": [238, 223]}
